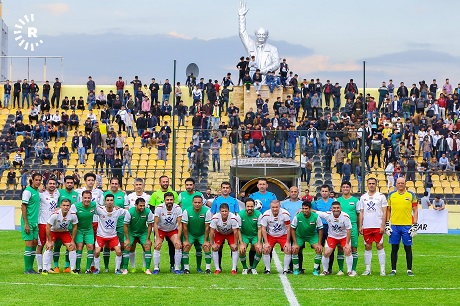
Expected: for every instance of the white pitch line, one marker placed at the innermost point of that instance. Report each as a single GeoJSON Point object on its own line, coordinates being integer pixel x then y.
{"type": "Point", "coordinates": [378, 289]}
{"type": "Point", "coordinates": [286, 285]}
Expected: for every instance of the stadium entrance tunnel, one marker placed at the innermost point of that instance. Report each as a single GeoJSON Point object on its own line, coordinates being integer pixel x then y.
{"type": "Point", "coordinates": [280, 189]}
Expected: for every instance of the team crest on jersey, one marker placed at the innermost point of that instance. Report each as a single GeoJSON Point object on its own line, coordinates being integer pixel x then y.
{"type": "Point", "coordinates": [336, 228]}
{"type": "Point", "coordinates": [201, 216]}
{"type": "Point", "coordinates": [276, 219]}
{"type": "Point", "coordinates": [407, 199]}
{"type": "Point", "coordinates": [74, 196]}
{"type": "Point", "coordinates": [352, 203]}
{"type": "Point", "coordinates": [311, 223]}
{"type": "Point", "coordinates": [143, 217]}
{"type": "Point", "coordinates": [92, 211]}
{"type": "Point", "coordinates": [254, 219]}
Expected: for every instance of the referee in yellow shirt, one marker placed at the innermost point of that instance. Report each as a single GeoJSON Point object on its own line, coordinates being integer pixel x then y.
{"type": "Point", "coordinates": [402, 214]}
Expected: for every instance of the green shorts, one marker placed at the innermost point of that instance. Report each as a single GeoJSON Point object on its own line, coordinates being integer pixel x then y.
{"type": "Point", "coordinates": [121, 235]}
{"type": "Point", "coordinates": [33, 234]}
{"type": "Point", "coordinates": [85, 237]}
{"type": "Point", "coordinates": [310, 239]}
{"type": "Point", "coordinates": [194, 240]}
{"type": "Point", "coordinates": [354, 235]}
{"type": "Point", "coordinates": [249, 240]}
{"type": "Point", "coordinates": [142, 238]}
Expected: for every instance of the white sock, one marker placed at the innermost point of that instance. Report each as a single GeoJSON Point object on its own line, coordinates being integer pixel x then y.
{"type": "Point", "coordinates": [287, 261]}
{"type": "Point", "coordinates": [215, 258]}
{"type": "Point", "coordinates": [368, 259]}
{"type": "Point", "coordinates": [381, 255]}
{"type": "Point", "coordinates": [234, 260]}
{"type": "Point", "coordinates": [177, 259]}
{"type": "Point", "coordinates": [156, 259]}
{"type": "Point", "coordinates": [267, 261]}
{"type": "Point", "coordinates": [39, 258]}
{"type": "Point", "coordinates": [325, 261]}
{"type": "Point", "coordinates": [143, 260]}
{"type": "Point", "coordinates": [118, 262]}
{"type": "Point", "coordinates": [47, 259]}
{"type": "Point", "coordinates": [349, 260]}
{"type": "Point", "coordinates": [72, 259]}
{"type": "Point", "coordinates": [132, 259]}
{"type": "Point", "coordinates": [97, 262]}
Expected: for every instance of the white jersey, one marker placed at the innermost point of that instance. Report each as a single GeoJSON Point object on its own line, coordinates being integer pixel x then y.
{"type": "Point", "coordinates": [132, 197]}
{"type": "Point", "coordinates": [59, 223]}
{"type": "Point", "coordinates": [276, 226]}
{"type": "Point", "coordinates": [97, 196]}
{"type": "Point", "coordinates": [337, 227]}
{"type": "Point", "coordinates": [372, 207]}
{"type": "Point", "coordinates": [167, 219]}
{"type": "Point", "coordinates": [224, 227]}
{"type": "Point", "coordinates": [48, 205]}
{"type": "Point", "coordinates": [107, 227]}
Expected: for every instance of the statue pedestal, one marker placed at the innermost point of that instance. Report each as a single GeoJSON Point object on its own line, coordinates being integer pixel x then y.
{"type": "Point", "coordinates": [249, 98]}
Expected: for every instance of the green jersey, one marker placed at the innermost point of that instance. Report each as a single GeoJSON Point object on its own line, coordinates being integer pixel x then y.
{"type": "Point", "coordinates": [306, 227]}
{"type": "Point", "coordinates": [65, 195]}
{"type": "Point", "coordinates": [121, 200]}
{"type": "Point", "coordinates": [196, 221]}
{"type": "Point", "coordinates": [31, 199]}
{"type": "Point", "coordinates": [158, 197]}
{"type": "Point", "coordinates": [186, 199]}
{"type": "Point", "coordinates": [349, 206]}
{"type": "Point", "coordinates": [250, 224]}
{"type": "Point", "coordinates": [84, 215]}
{"type": "Point", "coordinates": [137, 222]}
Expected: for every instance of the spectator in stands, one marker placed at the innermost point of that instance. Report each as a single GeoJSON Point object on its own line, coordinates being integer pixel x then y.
{"type": "Point", "coordinates": [198, 161]}
{"type": "Point", "coordinates": [166, 109]}
{"type": "Point", "coordinates": [26, 145]}
{"type": "Point", "coordinates": [127, 158]}
{"type": "Point", "coordinates": [190, 155]}
{"type": "Point", "coordinates": [63, 153]}
{"type": "Point", "coordinates": [109, 158]}
{"type": "Point", "coordinates": [346, 171]}
{"type": "Point", "coordinates": [141, 124]}
{"type": "Point", "coordinates": [215, 150]}
{"type": "Point", "coordinates": [161, 146]}
{"type": "Point", "coordinates": [167, 89]}
{"type": "Point", "coordinates": [101, 99]}
{"type": "Point", "coordinates": [99, 157]}
{"type": "Point", "coordinates": [4, 164]}
{"type": "Point", "coordinates": [73, 121]}
{"type": "Point", "coordinates": [252, 151]}
{"type": "Point", "coordinates": [340, 156]}
{"type": "Point", "coordinates": [47, 154]}
{"type": "Point", "coordinates": [264, 150]}
{"type": "Point", "coordinates": [11, 178]}
{"type": "Point", "coordinates": [61, 131]}
{"type": "Point", "coordinates": [438, 203]}
{"type": "Point", "coordinates": [91, 100]}
{"type": "Point", "coordinates": [121, 120]}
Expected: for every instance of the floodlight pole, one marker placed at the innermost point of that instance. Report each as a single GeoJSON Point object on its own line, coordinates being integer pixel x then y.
{"type": "Point", "coordinates": [174, 131]}
{"type": "Point", "coordinates": [363, 133]}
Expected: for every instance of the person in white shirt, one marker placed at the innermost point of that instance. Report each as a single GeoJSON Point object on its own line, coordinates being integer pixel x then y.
{"type": "Point", "coordinates": [373, 206]}
{"type": "Point", "coordinates": [56, 118]}
{"type": "Point", "coordinates": [389, 172]}
{"type": "Point", "coordinates": [276, 228]}
{"type": "Point", "coordinates": [92, 117]}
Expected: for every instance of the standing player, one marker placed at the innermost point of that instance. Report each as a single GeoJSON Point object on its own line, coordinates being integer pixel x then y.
{"type": "Point", "coordinates": [224, 226]}
{"type": "Point", "coordinates": [168, 216]}
{"type": "Point", "coordinates": [48, 203]}
{"type": "Point", "coordinates": [138, 228]}
{"type": "Point", "coordinates": [339, 227]}
{"type": "Point", "coordinates": [250, 233]}
{"type": "Point", "coordinates": [225, 189]}
{"type": "Point", "coordinates": [294, 205]}
{"type": "Point", "coordinates": [57, 228]}
{"type": "Point", "coordinates": [195, 228]}
{"type": "Point", "coordinates": [264, 196]}
{"type": "Point", "coordinates": [186, 197]}
{"type": "Point", "coordinates": [120, 201]}
{"type": "Point", "coordinates": [85, 210]}
{"type": "Point", "coordinates": [403, 215]}
{"type": "Point", "coordinates": [372, 217]}
{"type": "Point", "coordinates": [349, 205]}
{"type": "Point", "coordinates": [276, 229]}
{"type": "Point", "coordinates": [107, 231]}
{"type": "Point", "coordinates": [30, 208]}
{"type": "Point", "coordinates": [65, 193]}
{"type": "Point", "coordinates": [306, 227]}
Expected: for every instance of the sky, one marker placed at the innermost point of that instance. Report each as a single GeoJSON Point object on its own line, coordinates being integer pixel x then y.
{"type": "Point", "coordinates": [404, 40]}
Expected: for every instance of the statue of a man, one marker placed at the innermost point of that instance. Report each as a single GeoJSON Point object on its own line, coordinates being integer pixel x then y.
{"type": "Point", "coordinates": [266, 55]}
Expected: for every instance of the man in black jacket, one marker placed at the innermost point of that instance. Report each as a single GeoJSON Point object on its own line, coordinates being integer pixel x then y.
{"type": "Point", "coordinates": [57, 93]}
{"type": "Point", "coordinates": [181, 112]}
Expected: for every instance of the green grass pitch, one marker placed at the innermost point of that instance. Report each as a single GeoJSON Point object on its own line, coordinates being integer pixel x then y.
{"type": "Point", "coordinates": [436, 282]}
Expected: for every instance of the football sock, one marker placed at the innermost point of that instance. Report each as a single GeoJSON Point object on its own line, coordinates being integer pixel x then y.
{"type": "Point", "coordinates": [156, 259]}
{"type": "Point", "coordinates": [78, 262]}
{"type": "Point", "coordinates": [252, 254]}
{"type": "Point", "coordinates": [97, 263]}
{"type": "Point", "coordinates": [199, 256]}
{"type": "Point", "coordinates": [340, 260]}
{"type": "Point", "coordinates": [355, 260]}
{"type": "Point", "coordinates": [368, 259]}
{"type": "Point", "coordinates": [106, 254]}
{"type": "Point", "coordinates": [394, 256]}
{"type": "Point", "coordinates": [148, 259]}
{"type": "Point", "coordinates": [89, 259]}
{"type": "Point", "coordinates": [295, 261]}
{"type": "Point", "coordinates": [186, 260]}
{"type": "Point", "coordinates": [67, 259]}
{"type": "Point", "coordinates": [126, 259]}
{"type": "Point", "coordinates": [27, 255]}
{"type": "Point", "coordinates": [243, 261]}
{"type": "Point", "coordinates": [118, 262]}
{"type": "Point", "coordinates": [325, 261]}
{"type": "Point", "coordinates": [257, 258]}
{"type": "Point", "coordinates": [381, 255]}
{"type": "Point", "coordinates": [47, 259]}
{"type": "Point", "coordinates": [177, 259]}
{"type": "Point", "coordinates": [408, 250]}
{"type": "Point", "coordinates": [132, 259]}
{"type": "Point", "coordinates": [207, 259]}
{"type": "Point", "coordinates": [40, 261]}
{"type": "Point", "coordinates": [267, 261]}
{"type": "Point", "coordinates": [349, 260]}
{"type": "Point", "coordinates": [317, 261]}
{"type": "Point", "coordinates": [234, 260]}
{"type": "Point", "coordinates": [72, 259]}
{"type": "Point", "coordinates": [143, 260]}
{"type": "Point", "coordinates": [215, 258]}
{"type": "Point", "coordinates": [56, 254]}
{"type": "Point", "coordinates": [287, 261]}
{"type": "Point", "coordinates": [32, 256]}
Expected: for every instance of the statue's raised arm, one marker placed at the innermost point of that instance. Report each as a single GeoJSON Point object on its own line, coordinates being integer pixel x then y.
{"type": "Point", "coordinates": [242, 11]}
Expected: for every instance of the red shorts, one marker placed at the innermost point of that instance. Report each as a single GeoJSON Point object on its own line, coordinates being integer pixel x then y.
{"type": "Point", "coordinates": [42, 234]}
{"type": "Point", "coordinates": [219, 238]}
{"type": "Point", "coordinates": [333, 242]}
{"type": "Point", "coordinates": [95, 224]}
{"type": "Point", "coordinates": [372, 235]}
{"type": "Point", "coordinates": [274, 240]}
{"type": "Point", "coordinates": [63, 236]}
{"type": "Point", "coordinates": [163, 234]}
{"type": "Point", "coordinates": [111, 242]}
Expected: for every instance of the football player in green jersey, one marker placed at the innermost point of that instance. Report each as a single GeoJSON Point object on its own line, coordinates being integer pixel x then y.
{"type": "Point", "coordinates": [250, 233]}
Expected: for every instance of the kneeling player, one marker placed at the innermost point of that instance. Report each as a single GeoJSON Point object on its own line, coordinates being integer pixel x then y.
{"type": "Point", "coordinates": [168, 216]}
{"type": "Point", "coordinates": [250, 233]}
{"type": "Point", "coordinates": [276, 229]}
{"type": "Point", "coordinates": [107, 232]}
{"type": "Point", "coordinates": [306, 227]}
{"type": "Point", "coordinates": [138, 228]}
{"type": "Point", "coordinates": [195, 227]}
{"type": "Point", "coordinates": [57, 228]}
{"type": "Point", "coordinates": [339, 234]}
{"type": "Point", "coordinates": [224, 226]}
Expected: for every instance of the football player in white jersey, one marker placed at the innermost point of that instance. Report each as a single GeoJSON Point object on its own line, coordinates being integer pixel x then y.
{"type": "Point", "coordinates": [48, 204]}
{"type": "Point", "coordinates": [97, 195]}
{"type": "Point", "coordinates": [276, 228]}
{"type": "Point", "coordinates": [224, 226]}
{"type": "Point", "coordinates": [373, 206]}
{"type": "Point", "coordinates": [132, 197]}
{"type": "Point", "coordinates": [168, 223]}
{"type": "Point", "coordinates": [57, 227]}
{"type": "Point", "coordinates": [107, 232]}
{"type": "Point", "coordinates": [339, 234]}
